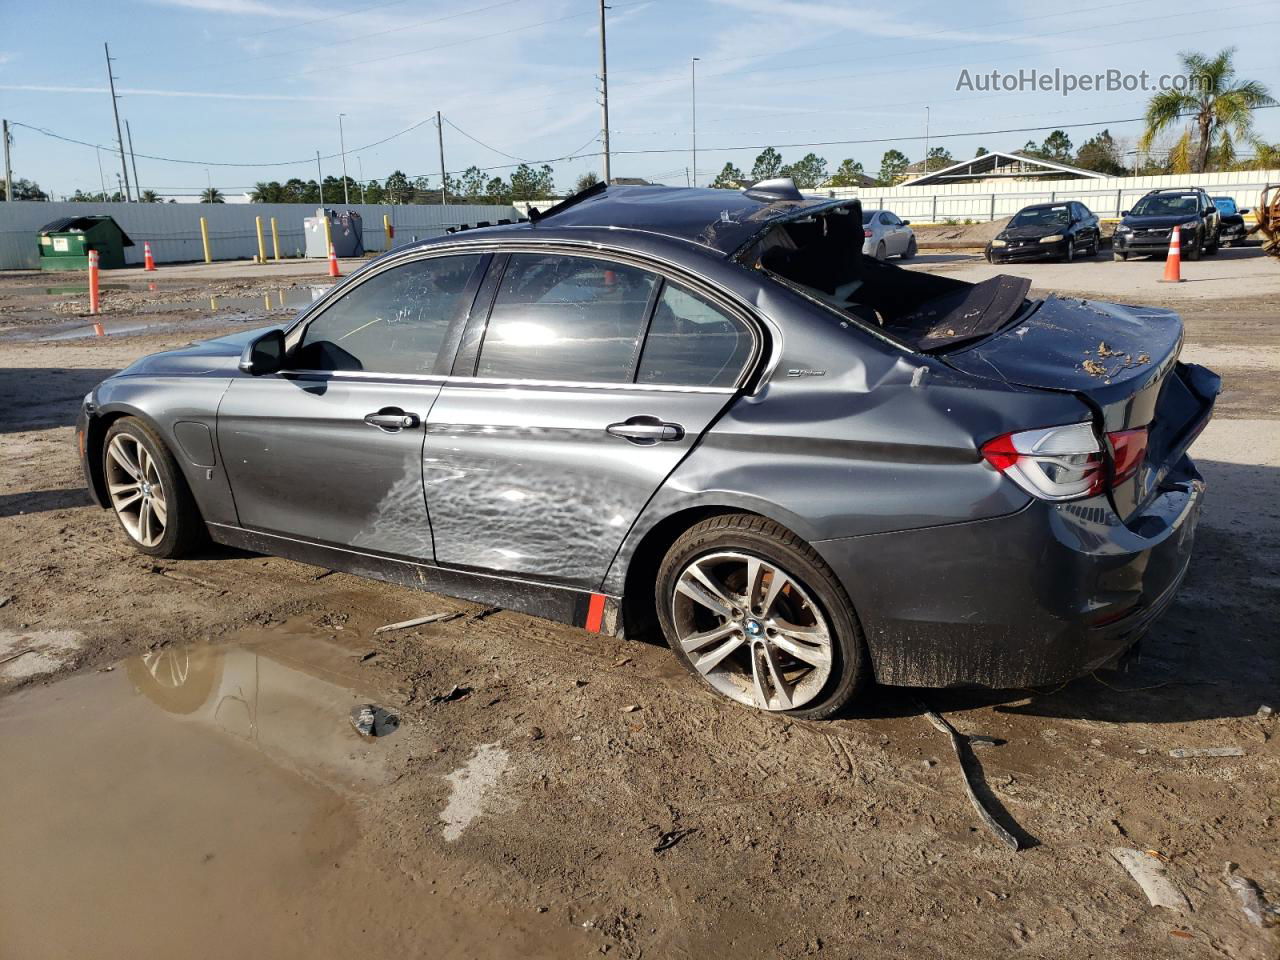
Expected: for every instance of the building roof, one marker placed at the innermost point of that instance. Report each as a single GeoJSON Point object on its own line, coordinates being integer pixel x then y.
{"type": "Point", "coordinates": [992, 166]}
{"type": "Point", "coordinates": [720, 220]}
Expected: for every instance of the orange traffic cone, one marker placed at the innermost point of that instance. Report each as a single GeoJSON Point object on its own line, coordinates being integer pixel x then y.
{"type": "Point", "coordinates": [95, 304]}
{"type": "Point", "coordinates": [333, 263]}
{"type": "Point", "coordinates": [1173, 262]}
{"type": "Point", "coordinates": [148, 262]}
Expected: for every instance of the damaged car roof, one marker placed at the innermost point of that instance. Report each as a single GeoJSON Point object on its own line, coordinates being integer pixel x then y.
{"type": "Point", "coordinates": [720, 220]}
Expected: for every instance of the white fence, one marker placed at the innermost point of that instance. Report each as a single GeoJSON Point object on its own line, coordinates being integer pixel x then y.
{"type": "Point", "coordinates": [935, 203]}
{"type": "Point", "coordinates": [173, 229]}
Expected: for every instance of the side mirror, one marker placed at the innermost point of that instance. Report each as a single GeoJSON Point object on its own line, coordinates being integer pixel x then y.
{"type": "Point", "coordinates": [264, 354]}
{"type": "Point", "coordinates": [906, 223]}
{"type": "Point", "coordinates": [1243, 211]}
{"type": "Point", "coordinates": [1124, 213]}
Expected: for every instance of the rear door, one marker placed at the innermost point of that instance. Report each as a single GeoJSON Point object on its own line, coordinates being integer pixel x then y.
{"type": "Point", "coordinates": [330, 450]}
{"type": "Point", "coordinates": [590, 381]}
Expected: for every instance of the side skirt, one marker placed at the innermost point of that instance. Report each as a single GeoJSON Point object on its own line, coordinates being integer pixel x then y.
{"type": "Point", "coordinates": [578, 608]}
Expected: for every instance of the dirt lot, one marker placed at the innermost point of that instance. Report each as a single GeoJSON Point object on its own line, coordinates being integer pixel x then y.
{"type": "Point", "coordinates": [552, 793]}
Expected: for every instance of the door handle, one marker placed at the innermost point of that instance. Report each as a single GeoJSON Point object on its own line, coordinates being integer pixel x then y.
{"type": "Point", "coordinates": [645, 430]}
{"type": "Point", "coordinates": [392, 419]}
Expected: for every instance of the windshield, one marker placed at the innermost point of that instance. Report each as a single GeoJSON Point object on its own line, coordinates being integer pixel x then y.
{"type": "Point", "coordinates": [1041, 217]}
{"type": "Point", "coordinates": [1167, 205]}
{"type": "Point", "coordinates": [1225, 205]}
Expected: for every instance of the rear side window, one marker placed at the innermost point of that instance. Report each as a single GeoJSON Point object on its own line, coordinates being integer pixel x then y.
{"type": "Point", "coordinates": [394, 322]}
{"type": "Point", "coordinates": [566, 318]}
{"type": "Point", "coordinates": [692, 343]}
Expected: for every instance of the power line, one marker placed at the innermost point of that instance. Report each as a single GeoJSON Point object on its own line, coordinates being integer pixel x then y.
{"type": "Point", "coordinates": [483, 144]}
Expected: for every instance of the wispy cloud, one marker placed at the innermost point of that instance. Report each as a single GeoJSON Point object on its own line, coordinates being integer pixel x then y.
{"type": "Point", "coordinates": [253, 8]}
{"type": "Point", "coordinates": [201, 94]}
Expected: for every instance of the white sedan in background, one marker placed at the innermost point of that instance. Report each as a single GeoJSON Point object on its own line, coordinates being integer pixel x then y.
{"type": "Point", "coordinates": [884, 235]}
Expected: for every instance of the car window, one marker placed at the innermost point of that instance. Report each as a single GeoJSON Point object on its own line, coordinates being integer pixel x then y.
{"type": "Point", "coordinates": [867, 216]}
{"type": "Point", "coordinates": [1040, 217]}
{"type": "Point", "coordinates": [886, 219]}
{"type": "Point", "coordinates": [394, 322]}
{"type": "Point", "coordinates": [566, 318]}
{"type": "Point", "coordinates": [1163, 205]}
{"type": "Point", "coordinates": [692, 343]}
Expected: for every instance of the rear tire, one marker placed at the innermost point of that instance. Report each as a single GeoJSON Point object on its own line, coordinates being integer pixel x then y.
{"type": "Point", "coordinates": [148, 493]}
{"type": "Point", "coordinates": [795, 646]}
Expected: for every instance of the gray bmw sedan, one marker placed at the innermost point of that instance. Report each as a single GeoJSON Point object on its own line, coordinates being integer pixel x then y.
{"type": "Point", "coordinates": [703, 414]}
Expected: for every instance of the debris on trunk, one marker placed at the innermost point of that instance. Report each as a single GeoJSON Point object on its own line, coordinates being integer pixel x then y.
{"type": "Point", "coordinates": [959, 743]}
{"type": "Point", "coordinates": [456, 693]}
{"type": "Point", "coordinates": [1255, 907]}
{"type": "Point", "coordinates": [418, 622]}
{"type": "Point", "coordinates": [373, 721]}
{"type": "Point", "coordinates": [1187, 753]}
{"type": "Point", "coordinates": [1150, 874]}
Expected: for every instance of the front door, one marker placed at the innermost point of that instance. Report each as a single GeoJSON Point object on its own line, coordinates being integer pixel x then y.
{"type": "Point", "coordinates": [594, 379]}
{"type": "Point", "coordinates": [330, 450]}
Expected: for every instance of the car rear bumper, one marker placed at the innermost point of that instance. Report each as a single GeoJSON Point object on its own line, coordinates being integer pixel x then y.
{"type": "Point", "coordinates": [1036, 597]}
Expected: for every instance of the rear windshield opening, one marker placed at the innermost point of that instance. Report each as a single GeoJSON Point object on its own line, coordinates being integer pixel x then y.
{"type": "Point", "coordinates": [822, 257]}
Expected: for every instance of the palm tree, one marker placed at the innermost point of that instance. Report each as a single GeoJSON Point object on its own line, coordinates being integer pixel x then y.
{"type": "Point", "coordinates": [211, 195]}
{"type": "Point", "coordinates": [1219, 105]}
{"type": "Point", "coordinates": [149, 196]}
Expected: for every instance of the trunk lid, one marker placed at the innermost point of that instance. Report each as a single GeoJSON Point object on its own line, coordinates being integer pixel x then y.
{"type": "Point", "coordinates": [1122, 361]}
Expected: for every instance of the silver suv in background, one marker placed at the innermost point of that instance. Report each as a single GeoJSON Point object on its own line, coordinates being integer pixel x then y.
{"type": "Point", "coordinates": [885, 235]}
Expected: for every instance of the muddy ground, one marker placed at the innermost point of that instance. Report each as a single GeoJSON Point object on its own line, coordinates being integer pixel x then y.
{"type": "Point", "coordinates": [521, 816]}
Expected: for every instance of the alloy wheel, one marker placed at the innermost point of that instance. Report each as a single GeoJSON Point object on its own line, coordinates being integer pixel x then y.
{"type": "Point", "coordinates": [752, 631]}
{"type": "Point", "coordinates": [137, 493]}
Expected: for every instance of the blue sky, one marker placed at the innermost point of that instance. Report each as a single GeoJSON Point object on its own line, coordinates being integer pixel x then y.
{"type": "Point", "coordinates": [241, 81]}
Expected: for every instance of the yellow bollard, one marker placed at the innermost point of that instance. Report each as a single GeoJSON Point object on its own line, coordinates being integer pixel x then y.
{"type": "Point", "coordinates": [389, 230]}
{"type": "Point", "coordinates": [328, 234]}
{"type": "Point", "coordinates": [262, 247]}
{"type": "Point", "coordinates": [204, 238]}
{"type": "Point", "coordinates": [275, 239]}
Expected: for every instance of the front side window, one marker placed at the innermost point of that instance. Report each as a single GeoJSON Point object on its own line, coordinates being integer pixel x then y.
{"type": "Point", "coordinates": [692, 343]}
{"type": "Point", "coordinates": [558, 317]}
{"type": "Point", "coordinates": [394, 322]}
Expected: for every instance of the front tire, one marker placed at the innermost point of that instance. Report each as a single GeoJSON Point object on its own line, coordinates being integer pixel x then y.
{"type": "Point", "coordinates": [1119, 257]}
{"type": "Point", "coordinates": [755, 612]}
{"type": "Point", "coordinates": [911, 249]}
{"type": "Point", "coordinates": [147, 491]}
{"type": "Point", "coordinates": [880, 251]}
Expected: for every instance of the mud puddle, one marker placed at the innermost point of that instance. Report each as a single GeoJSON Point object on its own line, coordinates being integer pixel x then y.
{"type": "Point", "coordinates": [205, 801]}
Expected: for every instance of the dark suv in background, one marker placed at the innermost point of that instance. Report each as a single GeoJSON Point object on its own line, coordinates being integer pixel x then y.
{"type": "Point", "coordinates": [1146, 228]}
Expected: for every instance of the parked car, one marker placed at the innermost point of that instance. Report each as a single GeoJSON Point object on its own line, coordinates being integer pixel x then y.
{"type": "Point", "coordinates": [1232, 228]}
{"type": "Point", "coordinates": [702, 413]}
{"type": "Point", "coordinates": [884, 235]}
{"type": "Point", "coordinates": [1047, 231]}
{"type": "Point", "coordinates": [1147, 227]}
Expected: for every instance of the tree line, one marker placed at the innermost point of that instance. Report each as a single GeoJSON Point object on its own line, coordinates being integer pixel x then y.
{"type": "Point", "coordinates": [473, 185]}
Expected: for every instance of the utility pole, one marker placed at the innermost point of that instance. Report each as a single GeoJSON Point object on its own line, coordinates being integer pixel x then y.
{"type": "Point", "coordinates": [604, 91]}
{"type": "Point", "coordinates": [360, 169]}
{"type": "Point", "coordinates": [926, 139]}
{"type": "Point", "coordinates": [133, 160]}
{"type": "Point", "coordinates": [320, 178]}
{"type": "Point", "coordinates": [120, 187]}
{"type": "Point", "coordinates": [8, 170]}
{"type": "Point", "coordinates": [342, 146]}
{"type": "Point", "coordinates": [444, 183]}
{"type": "Point", "coordinates": [115, 108]}
{"type": "Point", "coordinates": [693, 66]}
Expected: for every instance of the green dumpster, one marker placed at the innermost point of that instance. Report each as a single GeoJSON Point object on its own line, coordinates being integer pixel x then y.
{"type": "Point", "coordinates": [65, 243]}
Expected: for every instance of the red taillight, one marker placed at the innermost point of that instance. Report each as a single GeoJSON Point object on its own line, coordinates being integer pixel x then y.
{"type": "Point", "coordinates": [866, 234]}
{"type": "Point", "coordinates": [1128, 449]}
{"type": "Point", "coordinates": [1065, 463]}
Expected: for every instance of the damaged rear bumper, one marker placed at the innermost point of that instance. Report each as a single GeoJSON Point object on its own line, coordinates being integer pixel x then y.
{"type": "Point", "coordinates": [1037, 597]}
